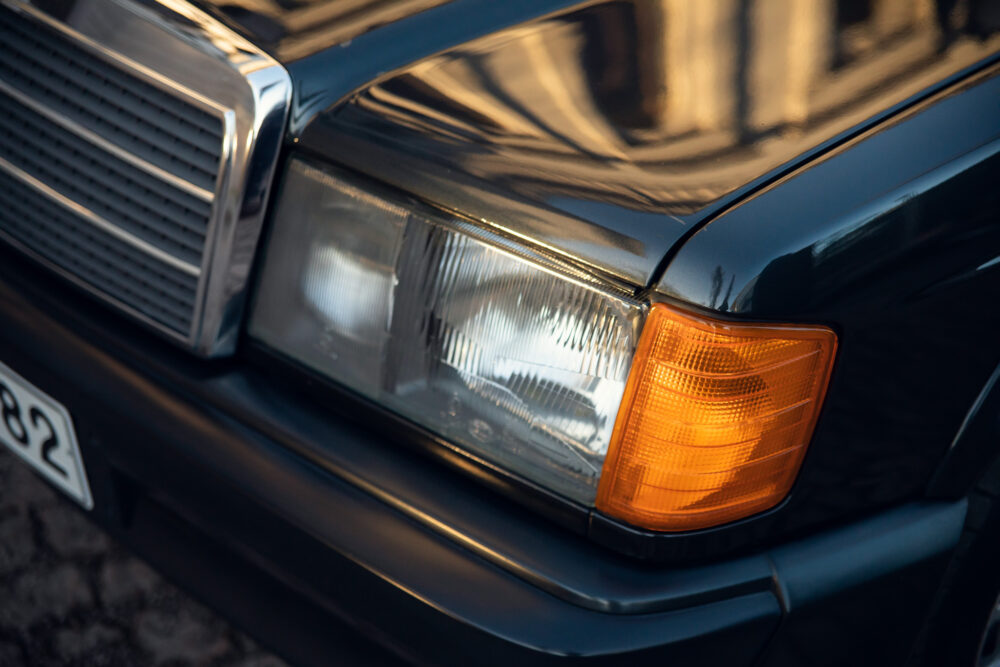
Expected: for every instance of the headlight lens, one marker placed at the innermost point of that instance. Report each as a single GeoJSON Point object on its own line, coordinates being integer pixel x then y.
{"type": "Point", "coordinates": [500, 350]}
{"type": "Point", "coordinates": [524, 360]}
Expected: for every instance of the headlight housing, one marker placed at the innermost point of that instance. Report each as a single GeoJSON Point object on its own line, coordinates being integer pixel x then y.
{"type": "Point", "coordinates": [518, 357]}
{"type": "Point", "coordinates": [502, 351]}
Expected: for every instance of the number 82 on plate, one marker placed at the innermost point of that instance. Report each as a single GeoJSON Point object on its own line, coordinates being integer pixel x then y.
{"type": "Point", "coordinates": [40, 431]}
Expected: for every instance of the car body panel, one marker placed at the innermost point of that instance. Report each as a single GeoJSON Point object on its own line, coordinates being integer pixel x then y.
{"type": "Point", "coordinates": [581, 129]}
{"type": "Point", "coordinates": [607, 132]}
{"type": "Point", "coordinates": [829, 163]}
{"type": "Point", "coordinates": [586, 130]}
{"type": "Point", "coordinates": [892, 240]}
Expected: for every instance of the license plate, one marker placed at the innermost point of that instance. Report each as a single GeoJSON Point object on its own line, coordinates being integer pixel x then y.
{"type": "Point", "coordinates": [39, 430]}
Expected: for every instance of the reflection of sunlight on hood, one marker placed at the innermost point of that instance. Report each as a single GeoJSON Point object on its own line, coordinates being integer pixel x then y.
{"type": "Point", "coordinates": [668, 106]}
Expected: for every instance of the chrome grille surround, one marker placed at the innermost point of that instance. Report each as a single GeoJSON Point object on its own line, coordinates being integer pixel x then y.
{"type": "Point", "coordinates": [137, 147]}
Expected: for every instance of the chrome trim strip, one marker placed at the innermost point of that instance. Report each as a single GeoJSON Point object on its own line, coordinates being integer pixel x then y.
{"type": "Point", "coordinates": [98, 221]}
{"type": "Point", "coordinates": [104, 144]}
{"type": "Point", "coordinates": [190, 55]}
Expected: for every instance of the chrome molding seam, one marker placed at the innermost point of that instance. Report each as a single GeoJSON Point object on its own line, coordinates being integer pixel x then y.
{"type": "Point", "coordinates": [181, 51]}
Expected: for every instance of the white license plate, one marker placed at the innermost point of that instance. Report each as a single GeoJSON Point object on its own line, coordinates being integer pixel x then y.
{"type": "Point", "coordinates": [40, 431]}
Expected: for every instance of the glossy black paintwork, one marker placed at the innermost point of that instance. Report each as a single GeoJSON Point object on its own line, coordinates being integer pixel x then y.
{"type": "Point", "coordinates": [836, 585]}
{"type": "Point", "coordinates": [894, 241]}
{"type": "Point", "coordinates": [564, 132]}
{"type": "Point", "coordinates": [608, 132]}
{"type": "Point", "coordinates": [332, 48]}
{"type": "Point", "coordinates": [296, 29]}
{"type": "Point", "coordinates": [611, 132]}
{"type": "Point", "coordinates": [891, 240]}
{"type": "Point", "coordinates": [974, 446]}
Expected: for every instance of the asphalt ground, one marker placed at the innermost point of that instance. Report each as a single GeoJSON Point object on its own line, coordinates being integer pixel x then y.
{"type": "Point", "coordinates": [70, 595]}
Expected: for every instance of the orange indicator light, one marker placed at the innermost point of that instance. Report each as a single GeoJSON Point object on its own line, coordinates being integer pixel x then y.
{"type": "Point", "coordinates": [715, 419]}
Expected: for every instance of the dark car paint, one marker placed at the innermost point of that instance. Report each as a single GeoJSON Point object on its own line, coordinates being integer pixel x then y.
{"type": "Point", "coordinates": [567, 129]}
{"type": "Point", "coordinates": [973, 448]}
{"type": "Point", "coordinates": [403, 131]}
{"type": "Point", "coordinates": [252, 457]}
{"type": "Point", "coordinates": [426, 141]}
{"type": "Point", "coordinates": [893, 240]}
{"type": "Point", "coordinates": [229, 495]}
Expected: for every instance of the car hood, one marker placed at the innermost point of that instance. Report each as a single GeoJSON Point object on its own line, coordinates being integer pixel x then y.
{"type": "Point", "coordinates": [604, 130]}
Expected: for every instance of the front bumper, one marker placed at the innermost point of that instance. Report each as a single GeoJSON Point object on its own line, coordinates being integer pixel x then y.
{"type": "Point", "coordinates": [323, 539]}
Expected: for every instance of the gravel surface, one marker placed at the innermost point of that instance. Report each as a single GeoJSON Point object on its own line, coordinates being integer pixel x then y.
{"type": "Point", "coordinates": [70, 595]}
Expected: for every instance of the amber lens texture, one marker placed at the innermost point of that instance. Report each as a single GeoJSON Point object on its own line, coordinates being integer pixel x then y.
{"type": "Point", "coordinates": [715, 419]}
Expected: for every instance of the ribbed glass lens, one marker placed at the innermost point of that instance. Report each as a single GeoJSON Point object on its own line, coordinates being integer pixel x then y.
{"type": "Point", "coordinates": [504, 352]}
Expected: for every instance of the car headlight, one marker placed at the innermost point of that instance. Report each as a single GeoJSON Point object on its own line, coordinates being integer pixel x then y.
{"type": "Point", "coordinates": [524, 359]}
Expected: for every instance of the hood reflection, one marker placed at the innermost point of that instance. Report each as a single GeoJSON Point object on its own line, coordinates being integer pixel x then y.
{"type": "Point", "coordinates": [669, 105]}
{"type": "Point", "coordinates": [295, 28]}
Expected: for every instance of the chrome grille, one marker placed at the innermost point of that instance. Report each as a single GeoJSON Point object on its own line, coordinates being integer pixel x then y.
{"type": "Point", "coordinates": [157, 127]}
{"type": "Point", "coordinates": [130, 199]}
{"type": "Point", "coordinates": [74, 243]}
{"type": "Point", "coordinates": [113, 223]}
{"type": "Point", "coordinates": [123, 226]}
{"type": "Point", "coordinates": [137, 144]}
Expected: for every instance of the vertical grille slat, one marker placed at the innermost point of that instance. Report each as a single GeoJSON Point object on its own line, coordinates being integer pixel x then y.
{"type": "Point", "coordinates": [67, 119]}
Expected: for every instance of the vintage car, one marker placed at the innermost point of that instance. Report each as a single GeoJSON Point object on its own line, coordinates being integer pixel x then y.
{"type": "Point", "coordinates": [612, 332]}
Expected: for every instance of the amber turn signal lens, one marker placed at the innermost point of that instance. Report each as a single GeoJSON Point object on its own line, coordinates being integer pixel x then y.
{"type": "Point", "coordinates": [715, 419]}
